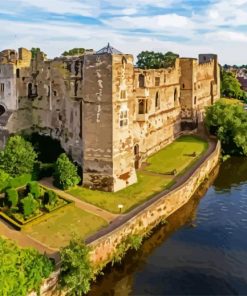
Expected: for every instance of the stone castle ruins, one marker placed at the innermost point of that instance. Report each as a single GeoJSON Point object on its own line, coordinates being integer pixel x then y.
{"type": "Point", "coordinates": [107, 114]}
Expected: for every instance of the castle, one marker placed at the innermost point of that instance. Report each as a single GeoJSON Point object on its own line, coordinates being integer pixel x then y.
{"type": "Point", "coordinates": [108, 114]}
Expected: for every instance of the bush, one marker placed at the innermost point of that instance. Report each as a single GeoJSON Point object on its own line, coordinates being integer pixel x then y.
{"type": "Point", "coordinates": [12, 197]}
{"type": "Point", "coordinates": [4, 180]}
{"type": "Point", "coordinates": [50, 197]}
{"type": "Point", "coordinates": [23, 271]}
{"type": "Point", "coordinates": [76, 270]}
{"type": "Point", "coordinates": [20, 181]}
{"type": "Point", "coordinates": [65, 174]}
{"type": "Point", "coordinates": [29, 205]}
{"type": "Point", "coordinates": [34, 189]}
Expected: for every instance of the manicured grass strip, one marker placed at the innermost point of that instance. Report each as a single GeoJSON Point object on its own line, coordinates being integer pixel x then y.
{"type": "Point", "coordinates": [177, 156]}
{"type": "Point", "coordinates": [59, 228]}
{"type": "Point", "coordinates": [147, 186]}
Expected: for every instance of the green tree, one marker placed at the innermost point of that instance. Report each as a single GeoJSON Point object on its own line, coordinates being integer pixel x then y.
{"type": "Point", "coordinates": [12, 197]}
{"type": "Point", "coordinates": [76, 271]}
{"type": "Point", "coordinates": [18, 157]}
{"type": "Point", "coordinates": [35, 51]}
{"type": "Point", "coordinates": [156, 60]}
{"type": "Point", "coordinates": [34, 188]}
{"type": "Point", "coordinates": [74, 52]}
{"type": "Point", "coordinates": [65, 174]}
{"type": "Point", "coordinates": [229, 123]}
{"type": "Point", "coordinates": [22, 270]}
{"type": "Point", "coordinates": [230, 86]}
{"type": "Point", "coordinates": [29, 205]}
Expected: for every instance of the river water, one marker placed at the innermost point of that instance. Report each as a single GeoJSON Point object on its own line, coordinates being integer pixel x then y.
{"type": "Point", "coordinates": [201, 251]}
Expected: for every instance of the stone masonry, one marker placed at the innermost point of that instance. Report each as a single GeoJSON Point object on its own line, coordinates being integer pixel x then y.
{"type": "Point", "coordinates": [106, 113]}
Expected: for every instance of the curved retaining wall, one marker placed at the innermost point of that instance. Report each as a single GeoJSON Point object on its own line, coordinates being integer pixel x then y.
{"type": "Point", "coordinates": [104, 248]}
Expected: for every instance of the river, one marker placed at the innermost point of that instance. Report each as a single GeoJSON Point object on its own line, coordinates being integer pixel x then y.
{"type": "Point", "coordinates": [202, 250]}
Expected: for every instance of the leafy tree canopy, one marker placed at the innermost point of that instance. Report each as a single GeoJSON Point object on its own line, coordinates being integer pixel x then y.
{"type": "Point", "coordinates": [74, 52]}
{"type": "Point", "coordinates": [34, 52]}
{"type": "Point", "coordinates": [156, 60]}
{"type": "Point", "coordinates": [22, 270]}
{"type": "Point", "coordinates": [229, 123]}
{"type": "Point", "coordinates": [230, 86]}
{"type": "Point", "coordinates": [65, 175]}
{"type": "Point", "coordinates": [76, 270]}
{"type": "Point", "coordinates": [18, 157]}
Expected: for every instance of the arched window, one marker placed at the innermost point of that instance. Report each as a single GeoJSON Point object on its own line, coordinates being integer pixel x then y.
{"type": "Point", "coordinates": [141, 107]}
{"type": "Point", "coordinates": [136, 149]}
{"type": "Point", "coordinates": [17, 73]}
{"type": "Point", "coordinates": [194, 100]}
{"type": "Point", "coordinates": [183, 85]}
{"type": "Point", "coordinates": [175, 95]}
{"type": "Point", "coordinates": [157, 101]}
{"type": "Point", "coordinates": [141, 80]}
{"type": "Point", "coordinates": [124, 61]}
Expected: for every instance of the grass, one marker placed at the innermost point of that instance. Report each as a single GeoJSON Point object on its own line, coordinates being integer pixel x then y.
{"type": "Point", "coordinates": [147, 186]}
{"type": "Point", "coordinates": [176, 156]}
{"type": "Point", "coordinates": [149, 182]}
{"type": "Point", "coordinates": [59, 228]}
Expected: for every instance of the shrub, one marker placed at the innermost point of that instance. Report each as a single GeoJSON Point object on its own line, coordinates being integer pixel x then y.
{"type": "Point", "coordinates": [76, 269]}
{"type": "Point", "coordinates": [29, 205]}
{"type": "Point", "coordinates": [12, 197]}
{"type": "Point", "coordinates": [23, 271]}
{"type": "Point", "coordinates": [65, 174]}
{"type": "Point", "coordinates": [34, 189]}
{"type": "Point", "coordinates": [20, 181]}
{"type": "Point", "coordinates": [4, 180]}
{"type": "Point", "coordinates": [50, 197]}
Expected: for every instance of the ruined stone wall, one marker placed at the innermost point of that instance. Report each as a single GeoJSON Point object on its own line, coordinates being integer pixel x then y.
{"type": "Point", "coordinates": [104, 248]}
{"type": "Point", "coordinates": [97, 122]}
{"type": "Point", "coordinates": [123, 117]}
{"type": "Point", "coordinates": [158, 121]}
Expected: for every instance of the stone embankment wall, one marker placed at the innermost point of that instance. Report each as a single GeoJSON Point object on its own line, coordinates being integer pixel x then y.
{"type": "Point", "coordinates": [104, 248]}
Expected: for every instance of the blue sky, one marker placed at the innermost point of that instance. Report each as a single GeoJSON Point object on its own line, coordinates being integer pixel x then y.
{"type": "Point", "coordinates": [188, 27]}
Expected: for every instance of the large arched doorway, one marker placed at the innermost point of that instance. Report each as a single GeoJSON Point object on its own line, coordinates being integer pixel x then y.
{"type": "Point", "coordinates": [2, 109]}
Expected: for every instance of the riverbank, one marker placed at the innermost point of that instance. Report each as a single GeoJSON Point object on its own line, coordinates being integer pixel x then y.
{"type": "Point", "coordinates": [107, 245]}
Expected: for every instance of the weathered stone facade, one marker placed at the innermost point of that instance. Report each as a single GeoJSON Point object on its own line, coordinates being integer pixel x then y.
{"type": "Point", "coordinates": [108, 115]}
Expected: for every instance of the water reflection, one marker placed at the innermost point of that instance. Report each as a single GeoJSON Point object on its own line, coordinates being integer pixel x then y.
{"type": "Point", "coordinates": [128, 278]}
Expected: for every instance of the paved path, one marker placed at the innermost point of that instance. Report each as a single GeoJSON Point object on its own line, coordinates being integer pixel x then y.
{"type": "Point", "coordinates": [25, 241]}
{"type": "Point", "coordinates": [109, 217]}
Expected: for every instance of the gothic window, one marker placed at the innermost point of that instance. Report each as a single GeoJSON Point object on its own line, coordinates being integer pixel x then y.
{"type": "Point", "coordinates": [157, 81]}
{"type": "Point", "coordinates": [141, 80]}
{"type": "Point", "coordinates": [183, 85]}
{"type": "Point", "coordinates": [157, 101]}
{"type": "Point", "coordinates": [124, 61]}
{"type": "Point", "coordinates": [136, 149]}
{"type": "Point", "coordinates": [142, 106]}
{"type": "Point", "coordinates": [17, 73]}
{"type": "Point", "coordinates": [123, 118]}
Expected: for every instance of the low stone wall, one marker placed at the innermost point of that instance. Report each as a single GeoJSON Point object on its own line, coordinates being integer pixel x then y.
{"type": "Point", "coordinates": [104, 248]}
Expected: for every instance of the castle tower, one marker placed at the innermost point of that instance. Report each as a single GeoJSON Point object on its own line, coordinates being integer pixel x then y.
{"type": "Point", "coordinates": [108, 156]}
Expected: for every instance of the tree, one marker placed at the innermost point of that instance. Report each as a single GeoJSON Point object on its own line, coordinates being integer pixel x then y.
{"type": "Point", "coordinates": [35, 51]}
{"type": "Point", "coordinates": [156, 60]}
{"type": "Point", "coordinates": [74, 52]}
{"type": "Point", "coordinates": [4, 179]}
{"type": "Point", "coordinates": [12, 197]}
{"type": "Point", "coordinates": [29, 205]}
{"type": "Point", "coordinates": [76, 269]}
{"type": "Point", "coordinates": [65, 174]}
{"type": "Point", "coordinates": [18, 157]}
{"type": "Point", "coordinates": [230, 86]}
{"type": "Point", "coordinates": [229, 123]}
{"type": "Point", "coordinates": [22, 270]}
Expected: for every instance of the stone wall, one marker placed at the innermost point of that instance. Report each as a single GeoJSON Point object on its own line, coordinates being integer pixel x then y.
{"type": "Point", "coordinates": [104, 248]}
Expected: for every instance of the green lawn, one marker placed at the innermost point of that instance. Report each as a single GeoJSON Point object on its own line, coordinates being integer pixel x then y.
{"type": "Point", "coordinates": [176, 155]}
{"type": "Point", "coordinates": [57, 230]}
{"type": "Point", "coordinates": [130, 197]}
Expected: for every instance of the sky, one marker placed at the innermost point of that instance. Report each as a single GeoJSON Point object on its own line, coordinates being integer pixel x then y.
{"type": "Point", "coordinates": [187, 27]}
